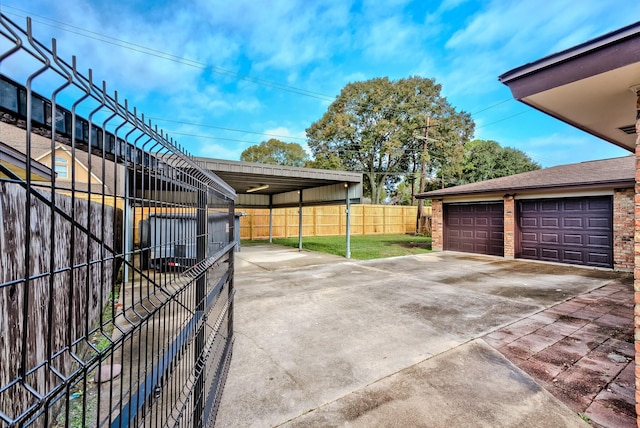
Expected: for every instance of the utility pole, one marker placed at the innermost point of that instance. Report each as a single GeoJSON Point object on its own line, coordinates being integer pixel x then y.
{"type": "Point", "coordinates": [422, 173]}
{"type": "Point", "coordinates": [425, 140]}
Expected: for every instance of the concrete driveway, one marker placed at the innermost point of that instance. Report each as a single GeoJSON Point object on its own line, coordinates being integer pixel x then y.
{"type": "Point", "coordinates": [322, 341]}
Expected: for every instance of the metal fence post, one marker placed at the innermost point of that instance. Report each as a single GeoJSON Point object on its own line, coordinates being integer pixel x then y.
{"type": "Point", "coordinates": [201, 253]}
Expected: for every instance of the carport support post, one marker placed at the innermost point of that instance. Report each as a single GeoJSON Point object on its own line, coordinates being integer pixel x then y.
{"type": "Point", "coordinates": [270, 219]}
{"type": "Point", "coordinates": [300, 221]}
{"type": "Point", "coordinates": [348, 221]}
{"type": "Point", "coordinates": [636, 271]}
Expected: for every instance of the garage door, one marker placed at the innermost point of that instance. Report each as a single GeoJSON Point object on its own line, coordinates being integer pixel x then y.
{"type": "Point", "coordinates": [474, 228]}
{"type": "Point", "coordinates": [570, 230]}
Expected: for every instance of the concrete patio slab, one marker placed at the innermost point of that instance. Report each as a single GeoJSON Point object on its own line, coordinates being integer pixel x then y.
{"type": "Point", "coordinates": [588, 362]}
{"type": "Point", "coordinates": [312, 331]}
{"type": "Point", "coordinates": [469, 386]}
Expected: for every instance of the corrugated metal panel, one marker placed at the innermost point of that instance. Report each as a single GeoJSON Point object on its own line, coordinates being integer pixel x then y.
{"type": "Point", "coordinates": [252, 200]}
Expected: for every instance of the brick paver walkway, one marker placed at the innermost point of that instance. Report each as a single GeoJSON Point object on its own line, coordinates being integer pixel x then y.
{"type": "Point", "coordinates": [582, 352]}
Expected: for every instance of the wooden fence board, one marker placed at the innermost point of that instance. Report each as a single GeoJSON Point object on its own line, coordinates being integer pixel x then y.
{"type": "Point", "coordinates": [330, 221]}
{"type": "Point", "coordinates": [88, 287]}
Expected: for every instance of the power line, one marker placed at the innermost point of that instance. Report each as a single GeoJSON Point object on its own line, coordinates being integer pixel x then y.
{"type": "Point", "coordinates": [200, 125]}
{"type": "Point", "coordinates": [196, 64]}
{"type": "Point", "coordinates": [492, 106]}
{"type": "Point", "coordinates": [168, 56]}
{"type": "Point", "coordinates": [189, 62]}
{"type": "Point", "coordinates": [503, 119]}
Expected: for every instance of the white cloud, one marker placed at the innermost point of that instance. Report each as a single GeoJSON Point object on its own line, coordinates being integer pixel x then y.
{"type": "Point", "coordinates": [219, 151]}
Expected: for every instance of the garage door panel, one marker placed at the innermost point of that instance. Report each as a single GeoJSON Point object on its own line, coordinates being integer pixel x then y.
{"type": "Point", "coordinates": [497, 222]}
{"type": "Point", "coordinates": [569, 239]}
{"type": "Point", "coordinates": [598, 205]}
{"type": "Point", "coordinates": [575, 205]}
{"type": "Point", "coordinates": [550, 254]}
{"type": "Point", "coordinates": [479, 248]}
{"type": "Point", "coordinates": [550, 222]}
{"type": "Point", "coordinates": [467, 247]}
{"type": "Point", "coordinates": [466, 221]}
{"type": "Point", "coordinates": [550, 238]}
{"type": "Point", "coordinates": [497, 236]}
{"type": "Point", "coordinates": [550, 206]}
{"type": "Point", "coordinates": [598, 241]}
{"type": "Point", "coordinates": [482, 221]}
{"type": "Point", "coordinates": [572, 256]}
{"type": "Point", "coordinates": [466, 234]}
{"type": "Point", "coordinates": [573, 222]}
{"type": "Point", "coordinates": [474, 228]}
{"type": "Point", "coordinates": [599, 259]}
{"type": "Point", "coordinates": [579, 232]}
{"type": "Point", "coordinates": [481, 234]}
{"type": "Point", "coordinates": [599, 223]}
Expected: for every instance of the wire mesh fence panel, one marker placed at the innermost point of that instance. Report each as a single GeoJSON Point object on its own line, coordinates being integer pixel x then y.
{"type": "Point", "coordinates": [116, 256]}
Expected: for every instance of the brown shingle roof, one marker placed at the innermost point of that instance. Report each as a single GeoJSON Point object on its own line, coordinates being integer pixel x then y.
{"type": "Point", "coordinates": [616, 172]}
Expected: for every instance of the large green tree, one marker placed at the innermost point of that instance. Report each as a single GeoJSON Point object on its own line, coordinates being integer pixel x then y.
{"type": "Point", "coordinates": [487, 159]}
{"type": "Point", "coordinates": [275, 152]}
{"type": "Point", "coordinates": [379, 126]}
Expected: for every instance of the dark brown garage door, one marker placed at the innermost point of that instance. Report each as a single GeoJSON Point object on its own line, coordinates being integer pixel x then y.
{"type": "Point", "coordinates": [474, 228]}
{"type": "Point", "coordinates": [570, 230]}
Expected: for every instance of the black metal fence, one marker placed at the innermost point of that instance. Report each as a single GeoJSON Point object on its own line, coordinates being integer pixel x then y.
{"type": "Point", "coordinates": [116, 256]}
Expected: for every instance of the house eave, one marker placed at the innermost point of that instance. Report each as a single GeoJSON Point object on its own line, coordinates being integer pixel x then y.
{"type": "Point", "coordinates": [618, 184]}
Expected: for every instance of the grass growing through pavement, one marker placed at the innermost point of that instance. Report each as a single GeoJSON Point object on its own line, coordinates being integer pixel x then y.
{"type": "Point", "coordinates": [362, 247]}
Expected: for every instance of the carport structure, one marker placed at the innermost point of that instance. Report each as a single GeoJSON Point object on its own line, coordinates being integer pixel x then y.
{"type": "Point", "coordinates": [276, 186]}
{"type": "Point", "coordinates": [594, 86]}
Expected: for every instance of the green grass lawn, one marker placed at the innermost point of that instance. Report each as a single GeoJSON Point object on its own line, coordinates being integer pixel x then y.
{"type": "Point", "coordinates": [362, 247]}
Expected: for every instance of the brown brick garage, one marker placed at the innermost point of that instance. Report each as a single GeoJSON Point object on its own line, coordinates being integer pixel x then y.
{"type": "Point", "coordinates": [578, 214]}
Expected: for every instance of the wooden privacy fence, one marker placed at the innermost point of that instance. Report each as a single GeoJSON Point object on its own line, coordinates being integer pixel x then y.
{"type": "Point", "coordinates": [330, 221]}
{"type": "Point", "coordinates": [87, 243]}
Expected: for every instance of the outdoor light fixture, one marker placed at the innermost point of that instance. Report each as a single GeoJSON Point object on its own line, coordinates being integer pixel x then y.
{"type": "Point", "coordinates": [255, 189]}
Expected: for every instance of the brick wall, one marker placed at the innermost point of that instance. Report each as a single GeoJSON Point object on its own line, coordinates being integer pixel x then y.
{"type": "Point", "coordinates": [636, 270]}
{"type": "Point", "coordinates": [437, 222]}
{"type": "Point", "coordinates": [623, 229]}
{"type": "Point", "coordinates": [509, 227]}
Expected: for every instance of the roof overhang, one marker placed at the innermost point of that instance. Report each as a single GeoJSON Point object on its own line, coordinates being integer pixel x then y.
{"type": "Point", "coordinates": [17, 163]}
{"type": "Point", "coordinates": [558, 188]}
{"type": "Point", "coordinates": [587, 86]}
{"type": "Point", "coordinates": [276, 186]}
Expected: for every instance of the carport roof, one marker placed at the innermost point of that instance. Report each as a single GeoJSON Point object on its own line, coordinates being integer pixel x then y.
{"type": "Point", "coordinates": [616, 172]}
{"type": "Point", "coordinates": [243, 176]}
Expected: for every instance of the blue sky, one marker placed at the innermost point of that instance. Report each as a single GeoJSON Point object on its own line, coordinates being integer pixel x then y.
{"type": "Point", "coordinates": [220, 76]}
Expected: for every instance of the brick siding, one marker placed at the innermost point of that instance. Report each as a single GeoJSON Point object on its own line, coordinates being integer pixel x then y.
{"type": "Point", "coordinates": [636, 270]}
{"type": "Point", "coordinates": [509, 227]}
{"type": "Point", "coordinates": [437, 224]}
{"type": "Point", "coordinates": [623, 229]}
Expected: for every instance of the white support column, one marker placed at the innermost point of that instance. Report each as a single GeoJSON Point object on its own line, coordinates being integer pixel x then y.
{"type": "Point", "coordinates": [348, 221]}
{"type": "Point", "coordinates": [270, 219]}
{"type": "Point", "coordinates": [300, 222]}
